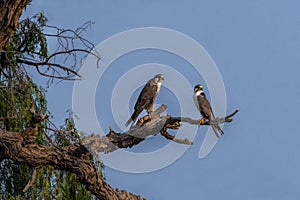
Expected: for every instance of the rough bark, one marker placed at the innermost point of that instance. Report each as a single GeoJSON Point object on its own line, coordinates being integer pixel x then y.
{"type": "Point", "coordinates": [146, 126]}
{"type": "Point", "coordinates": [10, 12]}
{"type": "Point", "coordinates": [74, 158]}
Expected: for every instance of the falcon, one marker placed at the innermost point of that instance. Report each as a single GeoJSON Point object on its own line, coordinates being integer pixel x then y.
{"type": "Point", "coordinates": [147, 97]}
{"type": "Point", "coordinates": [204, 108]}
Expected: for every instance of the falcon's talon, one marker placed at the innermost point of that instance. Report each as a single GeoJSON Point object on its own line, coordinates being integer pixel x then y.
{"type": "Point", "coordinates": [150, 111]}
{"type": "Point", "coordinates": [201, 121]}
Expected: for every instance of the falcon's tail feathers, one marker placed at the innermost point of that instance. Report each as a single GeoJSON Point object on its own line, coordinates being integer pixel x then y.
{"type": "Point", "coordinates": [133, 117]}
{"type": "Point", "coordinates": [128, 122]}
{"type": "Point", "coordinates": [219, 128]}
{"type": "Point", "coordinates": [216, 128]}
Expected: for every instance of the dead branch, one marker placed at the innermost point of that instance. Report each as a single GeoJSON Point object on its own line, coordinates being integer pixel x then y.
{"type": "Point", "coordinates": [70, 72]}
{"type": "Point", "coordinates": [148, 125]}
{"type": "Point", "coordinates": [171, 137]}
{"type": "Point", "coordinates": [173, 120]}
{"type": "Point", "coordinates": [72, 47]}
{"type": "Point", "coordinates": [66, 37]}
{"type": "Point", "coordinates": [71, 51]}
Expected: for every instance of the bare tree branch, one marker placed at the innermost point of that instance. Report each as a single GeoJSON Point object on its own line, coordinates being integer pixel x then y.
{"type": "Point", "coordinates": [171, 137]}
{"type": "Point", "coordinates": [69, 71]}
{"type": "Point", "coordinates": [146, 126]}
{"type": "Point", "coordinates": [74, 50]}
{"type": "Point", "coordinates": [72, 47]}
{"type": "Point", "coordinates": [66, 37]}
{"type": "Point", "coordinates": [217, 120]}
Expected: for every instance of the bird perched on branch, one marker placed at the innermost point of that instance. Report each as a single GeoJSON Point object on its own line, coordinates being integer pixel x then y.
{"type": "Point", "coordinates": [204, 107]}
{"type": "Point", "coordinates": [147, 97]}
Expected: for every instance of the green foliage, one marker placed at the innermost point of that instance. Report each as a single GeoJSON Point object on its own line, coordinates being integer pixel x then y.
{"type": "Point", "coordinates": [68, 133]}
{"type": "Point", "coordinates": [16, 98]}
{"type": "Point", "coordinates": [68, 186]}
{"type": "Point", "coordinates": [18, 93]}
{"type": "Point", "coordinates": [29, 40]}
{"type": "Point", "coordinates": [17, 90]}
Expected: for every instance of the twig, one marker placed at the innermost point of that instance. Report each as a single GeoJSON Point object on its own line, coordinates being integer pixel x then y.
{"type": "Point", "coordinates": [31, 181]}
{"type": "Point", "coordinates": [171, 137]}
{"type": "Point", "coordinates": [37, 64]}
{"type": "Point", "coordinates": [217, 120]}
{"type": "Point", "coordinates": [74, 50]}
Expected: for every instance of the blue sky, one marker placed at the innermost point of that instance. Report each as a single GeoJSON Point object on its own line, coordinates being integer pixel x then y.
{"type": "Point", "coordinates": [255, 45]}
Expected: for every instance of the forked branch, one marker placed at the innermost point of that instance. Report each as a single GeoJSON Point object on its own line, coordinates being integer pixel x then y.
{"type": "Point", "coordinates": [148, 125]}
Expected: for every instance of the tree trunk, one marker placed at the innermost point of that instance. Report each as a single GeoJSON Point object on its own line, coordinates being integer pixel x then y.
{"type": "Point", "coordinates": [13, 145]}
{"type": "Point", "coordinates": [10, 12]}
